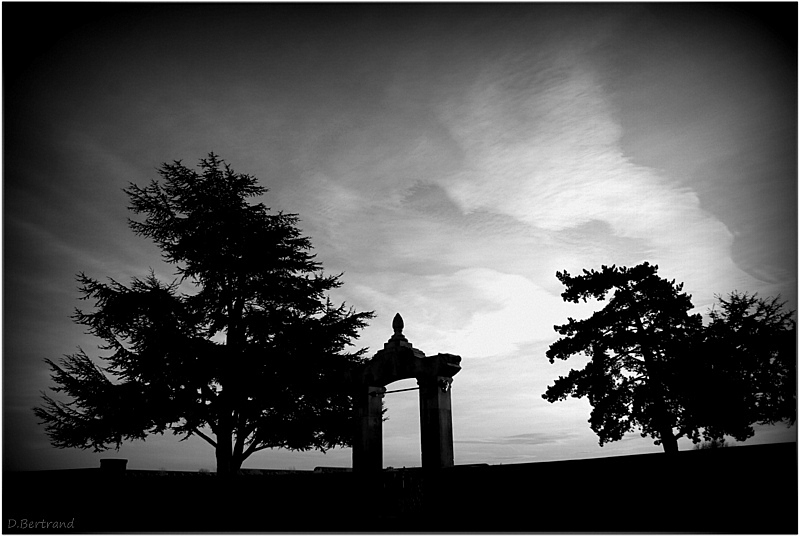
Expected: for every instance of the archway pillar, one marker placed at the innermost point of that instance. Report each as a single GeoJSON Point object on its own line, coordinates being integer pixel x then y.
{"type": "Point", "coordinates": [368, 442]}
{"type": "Point", "coordinates": [436, 422]}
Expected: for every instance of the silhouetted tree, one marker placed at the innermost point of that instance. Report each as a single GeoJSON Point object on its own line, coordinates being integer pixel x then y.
{"type": "Point", "coordinates": [244, 349]}
{"type": "Point", "coordinates": [743, 370]}
{"type": "Point", "coordinates": [631, 343]}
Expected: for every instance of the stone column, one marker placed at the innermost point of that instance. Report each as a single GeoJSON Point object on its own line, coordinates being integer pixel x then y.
{"type": "Point", "coordinates": [436, 422]}
{"type": "Point", "coordinates": [368, 444]}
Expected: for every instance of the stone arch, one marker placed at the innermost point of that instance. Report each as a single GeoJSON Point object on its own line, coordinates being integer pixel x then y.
{"type": "Point", "coordinates": [399, 360]}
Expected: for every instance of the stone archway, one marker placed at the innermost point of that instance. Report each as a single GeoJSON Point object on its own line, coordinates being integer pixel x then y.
{"type": "Point", "coordinates": [399, 360]}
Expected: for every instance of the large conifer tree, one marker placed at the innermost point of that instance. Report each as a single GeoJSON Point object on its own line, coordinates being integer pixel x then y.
{"type": "Point", "coordinates": [253, 357]}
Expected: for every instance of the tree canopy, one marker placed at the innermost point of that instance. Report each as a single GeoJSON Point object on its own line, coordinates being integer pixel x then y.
{"type": "Point", "coordinates": [744, 367]}
{"type": "Point", "coordinates": [655, 367]}
{"type": "Point", "coordinates": [630, 342]}
{"type": "Point", "coordinates": [243, 349]}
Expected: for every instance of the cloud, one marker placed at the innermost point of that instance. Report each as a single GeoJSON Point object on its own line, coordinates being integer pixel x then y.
{"type": "Point", "coordinates": [459, 223]}
{"type": "Point", "coordinates": [478, 312]}
{"type": "Point", "coordinates": [527, 439]}
{"type": "Point", "coordinates": [542, 145]}
{"type": "Point", "coordinates": [516, 175]}
{"type": "Point", "coordinates": [519, 312]}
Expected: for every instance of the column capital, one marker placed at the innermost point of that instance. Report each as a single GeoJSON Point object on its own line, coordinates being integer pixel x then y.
{"type": "Point", "coordinates": [443, 383]}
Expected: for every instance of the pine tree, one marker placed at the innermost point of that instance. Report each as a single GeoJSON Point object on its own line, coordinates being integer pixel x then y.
{"type": "Point", "coordinates": [632, 344]}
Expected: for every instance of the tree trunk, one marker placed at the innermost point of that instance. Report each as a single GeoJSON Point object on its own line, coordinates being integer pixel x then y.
{"type": "Point", "coordinates": [229, 460]}
{"type": "Point", "coordinates": [227, 463]}
{"type": "Point", "coordinates": [662, 416]}
{"type": "Point", "coordinates": [224, 455]}
{"type": "Point", "coordinates": [668, 440]}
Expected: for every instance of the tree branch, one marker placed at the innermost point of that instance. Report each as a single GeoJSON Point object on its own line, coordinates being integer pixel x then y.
{"type": "Point", "coordinates": [204, 437]}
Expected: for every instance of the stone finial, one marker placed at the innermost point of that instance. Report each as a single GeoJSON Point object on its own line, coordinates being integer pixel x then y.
{"type": "Point", "coordinates": [398, 339]}
{"type": "Point", "coordinates": [397, 324]}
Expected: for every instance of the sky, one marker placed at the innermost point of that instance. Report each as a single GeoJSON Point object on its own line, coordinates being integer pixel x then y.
{"type": "Point", "coordinates": [448, 159]}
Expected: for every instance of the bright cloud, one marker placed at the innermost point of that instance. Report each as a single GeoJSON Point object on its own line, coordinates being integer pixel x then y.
{"type": "Point", "coordinates": [545, 149]}
{"type": "Point", "coordinates": [520, 311]}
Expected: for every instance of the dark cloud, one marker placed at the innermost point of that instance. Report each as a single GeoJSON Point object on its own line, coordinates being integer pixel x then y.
{"type": "Point", "coordinates": [527, 439]}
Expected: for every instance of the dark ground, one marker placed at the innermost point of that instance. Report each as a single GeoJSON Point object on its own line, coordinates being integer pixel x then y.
{"type": "Point", "coordinates": [744, 489]}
